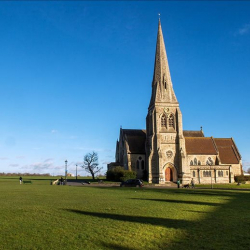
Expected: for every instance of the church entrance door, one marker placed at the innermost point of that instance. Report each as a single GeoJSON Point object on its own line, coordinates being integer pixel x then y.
{"type": "Point", "coordinates": [168, 174]}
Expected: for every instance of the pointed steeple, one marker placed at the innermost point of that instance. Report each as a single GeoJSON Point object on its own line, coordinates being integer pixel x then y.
{"type": "Point", "coordinates": [162, 88]}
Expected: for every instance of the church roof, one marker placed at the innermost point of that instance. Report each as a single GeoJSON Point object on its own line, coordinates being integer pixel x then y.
{"type": "Point", "coordinates": [200, 146]}
{"type": "Point", "coordinates": [136, 140]}
{"type": "Point", "coordinates": [228, 151]}
{"type": "Point", "coordinates": [193, 133]}
{"type": "Point", "coordinates": [224, 147]}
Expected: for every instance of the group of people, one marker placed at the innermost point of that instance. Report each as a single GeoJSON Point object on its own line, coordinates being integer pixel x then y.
{"type": "Point", "coordinates": [187, 185]}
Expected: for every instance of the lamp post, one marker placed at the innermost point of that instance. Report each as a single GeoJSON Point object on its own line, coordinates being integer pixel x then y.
{"type": "Point", "coordinates": [76, 171]}
{"type": "Point", "coordinates": [66, 162]}
{"type": "Point", "coordinates": [211, 176]}
{"type": "Point", "coordinates": [210, 163]}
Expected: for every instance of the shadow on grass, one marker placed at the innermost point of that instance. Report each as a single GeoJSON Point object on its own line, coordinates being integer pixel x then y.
{"type": "Point", "coordinates": [169, 223]}
{"type": "Point", "coordinates": [180, 202]}
{"type": "Point", "coordinates": [115, 246]}
{"type": "Point", "coordinates": [224, 227]}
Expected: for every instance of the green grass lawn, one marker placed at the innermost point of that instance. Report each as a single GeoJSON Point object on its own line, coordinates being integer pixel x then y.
{"type": "Point", "coordinates": [42, 216]}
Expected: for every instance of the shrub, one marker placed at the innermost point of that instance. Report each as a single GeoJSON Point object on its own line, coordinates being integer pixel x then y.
{"type": "Point", "coordinates": [241, 179]}
{"type": "Point", "coordinates": [128, 175]}
{"type": "Point", "coordinates": [119, 174]}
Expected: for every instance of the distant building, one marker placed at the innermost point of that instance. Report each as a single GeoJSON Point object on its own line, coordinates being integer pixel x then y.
{"type": "Point", "coordinates": [164, 152]}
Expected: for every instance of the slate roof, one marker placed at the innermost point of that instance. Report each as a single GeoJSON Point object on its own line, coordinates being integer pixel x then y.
{"type": "Point", "coordinates": [224, 147]}
{"type": "Point", "coordinates": [193, 133]}
{"type": "Point", "coordinates": [200, 146]}
{"type": "Point", "coordinates": [136, 139]}
{"type": "Point", "coordinates": [228, 151]}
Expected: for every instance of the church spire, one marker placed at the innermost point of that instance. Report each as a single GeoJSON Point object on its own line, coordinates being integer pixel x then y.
{"type": "Point", "coordinates": [162, 88]}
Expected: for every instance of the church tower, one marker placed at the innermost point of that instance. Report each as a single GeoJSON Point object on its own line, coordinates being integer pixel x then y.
{"type": "Point", "coordinates": [165, 145]}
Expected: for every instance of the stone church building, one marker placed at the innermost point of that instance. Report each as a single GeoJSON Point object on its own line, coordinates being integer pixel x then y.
{"type": "Point", "coordinates": [164, 152]}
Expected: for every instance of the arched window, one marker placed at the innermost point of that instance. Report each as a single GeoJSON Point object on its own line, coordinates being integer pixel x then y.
{"type": "Point", "coordinates": [171, 121]}
{"type": "Point", "coordinates": [137, 164]}
{"type": "Point", "coordinates": [195, 161]}
{"type": "Point", "coordinates": [191, 163]}
{"type": "Point", "coordinates": [163, 121]}
{"type": "Point", "coordinates": [142, 164]}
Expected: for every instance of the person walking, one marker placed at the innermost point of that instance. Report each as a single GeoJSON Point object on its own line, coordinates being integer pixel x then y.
{"type": "Point", "coordinates": [178, 183]}
{"type": "Point", "coordinates": [192, 183]}
{"type": "Point", "coordinates": [21, 180]}
{"type": "Point", "coordinates": [61, 181]}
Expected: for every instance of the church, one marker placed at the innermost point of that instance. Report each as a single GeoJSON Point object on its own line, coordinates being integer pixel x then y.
{"type": "Point", "coordinates": [164, 152]}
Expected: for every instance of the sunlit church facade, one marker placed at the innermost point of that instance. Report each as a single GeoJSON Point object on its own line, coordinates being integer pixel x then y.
{"type": "Point", "coordinates": [164, 152]}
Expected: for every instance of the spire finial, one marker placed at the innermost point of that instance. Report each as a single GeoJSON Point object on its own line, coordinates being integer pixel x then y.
{"type": "Point", "coordinates": [159, 14]}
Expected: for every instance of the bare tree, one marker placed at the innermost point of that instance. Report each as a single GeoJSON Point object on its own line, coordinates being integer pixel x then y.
{"type": "Point", "coordinates": [90, 164]}
{"type": "Point", "coordinates": [248, 171]}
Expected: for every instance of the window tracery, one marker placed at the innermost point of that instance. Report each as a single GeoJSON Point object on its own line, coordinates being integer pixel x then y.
{"type": "Point", "coordinates": [163, 121]}
{"type": "Point", "coordinates": [171, 121]}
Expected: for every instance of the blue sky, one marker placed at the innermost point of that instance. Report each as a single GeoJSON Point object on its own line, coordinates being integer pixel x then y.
{"type": "Point", "coordinates": [72, 73]}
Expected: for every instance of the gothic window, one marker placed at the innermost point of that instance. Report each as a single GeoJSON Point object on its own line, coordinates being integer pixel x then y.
{"type": "Point", "coordinates": [137, 164]}
{"type": "Point", "coordinates": [142, 164]}
{"type": "Point", "coordinates": [195, 161]}
{"type": "Point", "coordinates": [191, 163]}
{"type": "Point", "coordinates": [171, 121]}
{"type": "Point", "coordinates": [193, 173]}
{"type": "Point", "coordinates": [207, 173]}
{"type": "Point", "coordinates": [210, 161]}
{"type": "Point", "coordinates": [199, 163]}
{"type": "Point", "coordinates": [220, 173]}
{"type": "Point", "coordinates": [163, 121]}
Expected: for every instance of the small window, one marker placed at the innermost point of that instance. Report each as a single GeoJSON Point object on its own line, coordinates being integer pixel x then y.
{"type": "Point", "coordinates": [220, 173]}
{"type": "Point", "coordinates": [193, 173]}
{"type": "Point", "coordinates": [207, 173]}
{"type": "Point", "coordinates": [199, 163]}
{"type": "Point", "coordinates": [191, 163]}
{"type": "Point", "coordinates": [137, 164]}
{"type": "Point", "coordinates": [195, 161]}
{"type": "Point", "coordinates": [142, 164]}
{"type": "Point", "coordinates": [163, 121]}
{"type": "Point", "coordinates": [227, 173]}
{"type": "Point", "coordinates": [171, 121]}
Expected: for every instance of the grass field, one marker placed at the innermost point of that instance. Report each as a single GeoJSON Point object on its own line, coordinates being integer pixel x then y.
{"type": "Point", "coordinates": [42, 216]}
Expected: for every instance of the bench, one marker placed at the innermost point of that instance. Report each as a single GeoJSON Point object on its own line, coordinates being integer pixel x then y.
{"type": "Point", "coordinates": [26, 182]}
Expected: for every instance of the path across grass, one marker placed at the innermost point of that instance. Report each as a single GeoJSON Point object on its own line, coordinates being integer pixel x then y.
{"type": "Point", "coordinates": [42, 216]}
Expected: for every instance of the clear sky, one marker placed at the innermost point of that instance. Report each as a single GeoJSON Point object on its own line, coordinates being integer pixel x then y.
{"type": "Point", "coordinates": [72, 73]}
